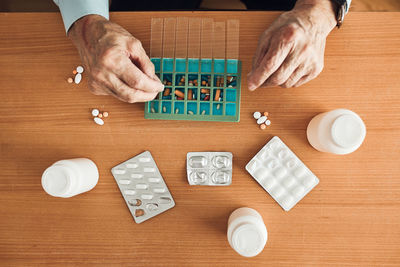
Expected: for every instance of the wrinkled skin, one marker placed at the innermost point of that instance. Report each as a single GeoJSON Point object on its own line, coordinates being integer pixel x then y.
{"type": "Point", "coordinates": [115, 61]}
{"type": "Point", "coordinates": [291, 51]}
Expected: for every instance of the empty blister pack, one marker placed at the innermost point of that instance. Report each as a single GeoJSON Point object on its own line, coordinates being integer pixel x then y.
{"type": "Point", "coordinates": [142, 187]}
{"type": "Point", "coordinates": [281, 173]}
{"type": "Point", "coordinates": [209, 168]}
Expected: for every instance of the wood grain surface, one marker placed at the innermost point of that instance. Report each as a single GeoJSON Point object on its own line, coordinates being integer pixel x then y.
{"type": "Point", "coordinates": [351, 218]}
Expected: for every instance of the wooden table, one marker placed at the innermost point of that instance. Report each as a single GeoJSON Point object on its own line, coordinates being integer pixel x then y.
{"type": "Point", "coordinates": [351, 218]}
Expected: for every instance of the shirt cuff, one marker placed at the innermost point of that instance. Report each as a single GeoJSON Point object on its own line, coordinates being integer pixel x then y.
{"type": "Point", "coordinates": [72, 10]}
{"type": "Point", "coordinates": [348, 5]}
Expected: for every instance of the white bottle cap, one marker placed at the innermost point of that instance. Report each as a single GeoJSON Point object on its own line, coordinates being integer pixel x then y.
{"type": "Point", "coordinates": [58, 180]}
{"type": "Point", "coordinates": [248, 239]}
{"type": "Point", "coordinates": [348, 131]}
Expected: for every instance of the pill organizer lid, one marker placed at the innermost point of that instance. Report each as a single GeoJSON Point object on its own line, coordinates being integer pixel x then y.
{"type": "Point", "coordinates": [248, 239]}
{"type": "Point", "coordinates": [348, 131]}
{"type": "Point", "coordinates": [56, 180]}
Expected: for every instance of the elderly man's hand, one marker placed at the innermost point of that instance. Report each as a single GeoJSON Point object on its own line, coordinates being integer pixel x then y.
{"type": "Point", "coordinates": [291, 51]}
{"type": "Point", "coordinates": [115, 61]}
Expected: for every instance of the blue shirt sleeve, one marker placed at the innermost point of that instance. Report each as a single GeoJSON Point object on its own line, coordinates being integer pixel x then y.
{"type": "Point", "coordinates": [72, 10]}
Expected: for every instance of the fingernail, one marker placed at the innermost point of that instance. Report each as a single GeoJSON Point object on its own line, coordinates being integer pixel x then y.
{"type": "Point", "coordinates": [252, 87]}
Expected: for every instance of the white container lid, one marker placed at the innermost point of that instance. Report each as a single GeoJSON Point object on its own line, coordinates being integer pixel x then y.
{"type": "Point", "coordinates": [348, 131]}
{"type": "Point", "coordinates": [57, 181]}
{"type": "Point", "coordinates": [249, 239]}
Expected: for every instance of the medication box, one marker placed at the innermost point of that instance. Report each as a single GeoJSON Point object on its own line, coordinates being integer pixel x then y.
{"type": "Point", "coordinates": [142, 187]}
{"type": "Point", "coordinates": [209, 168]}
{"type": "Point", "coordinates": [197, 89]}
{"type": "Point", "coordinates": [281, 173]}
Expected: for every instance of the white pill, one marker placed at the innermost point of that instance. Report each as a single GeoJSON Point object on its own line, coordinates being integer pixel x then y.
{"type": "Point", "coordinates": [79, 69]}
{"type": "Point", "coordinates": [132, 165]}
{"type": "Point", "coordinates": [124, 181]}
{"type": "Point", "coordinates": [261, 120]}
{"type": "Point", "coordinates": [129, 192]}
{"type": "Point", "coordinates": [257, 115]}
{"type": "Point", "coordinates": [144, 159]}
{"type": "Point", "coordinates": [147, 196]}
{"type": "Point", "coordinates": [119, 171]}
{"type": "Point", "coordinates": [98, 121]}
{"type": "Point", "coordinates": [154, 180]}
{"type": "Point", "coordinates": [141, 186]}
{"type": "Point", "coordinates": [136, 175]}
{"type": "Point", "coordinates": [267, 122]}
{"type": "Point", "coordinates": [95, 112]}
{"type": "Point", "coordinates": [78, 78]}
{"type": "Point", "coordinates": [149, 169]}
{"type": "Point", "coordinates": [159, 190]}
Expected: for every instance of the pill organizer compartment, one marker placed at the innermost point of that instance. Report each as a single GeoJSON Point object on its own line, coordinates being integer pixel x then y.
{"type": "Point", "coordinates": [281, 173]}
{"type": "Point", "coordinates": [209, 168]}
{"type": "Point", "coordinates": [197, 89]}
{"type": "Point", "coordinates": [142, 187]}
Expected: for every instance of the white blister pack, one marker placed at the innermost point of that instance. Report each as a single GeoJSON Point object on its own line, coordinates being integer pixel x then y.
{"type": "Point", "coordinates": [209, 168]}
{"type": "Point", "coordinates": [281, 173]}
{"type": "Point", "coordinates": [142, 187]}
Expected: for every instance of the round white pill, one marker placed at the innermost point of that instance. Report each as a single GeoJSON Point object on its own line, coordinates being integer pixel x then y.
{"type": "Point", "coordinates": [261, 120]}
{"type": "Point", "coordinates": [98, 121]}
{"type": "Point", "coordinates": [257, 115]}
{"type": "Point", "coordinates": [95, 112]}
{"type": "Point", "coordinates": [79, 69]}
{"type": "Point", "coordinates": [267, 122]}
{"type": "Point", "coordinates": [78, 78]}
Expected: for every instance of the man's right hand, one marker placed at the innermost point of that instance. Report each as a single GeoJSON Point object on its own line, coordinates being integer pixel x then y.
{"type": "Point", "coordinates": [116, 62]}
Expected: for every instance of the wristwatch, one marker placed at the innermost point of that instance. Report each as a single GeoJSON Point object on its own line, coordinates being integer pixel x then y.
{"type": "Point", "coordinates": [341, 11]}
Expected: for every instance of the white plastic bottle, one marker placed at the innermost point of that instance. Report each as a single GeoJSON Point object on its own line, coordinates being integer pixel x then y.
{"type": "Point", "coordinates": [247, 233]}
{"type": "Point", "coordinates": [70, 177]}
{"type": "Point", "coordinates": [340, 131]}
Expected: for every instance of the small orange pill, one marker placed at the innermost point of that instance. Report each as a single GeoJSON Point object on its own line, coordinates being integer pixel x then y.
{"type": "Point", "coordinates": [169, 83]}
{"type": "Point", "coordinates": [263, 126]}
{"type": "Point", "coordinates": [179, 93]}
{"type": "Point", "coordinates": [190, 94]}
{"type": "Point", "coordinates": [205, 91]}
{"type": "Point", "coordinates": [100, 115]}
{"type": "Point", "coordinates": [203, 82]}
{"type": "Point", "coordinates": [105, 114]}
{"type": "Point", "coordinates": [167, 91]}
{"type": "Point", "coordinates": [266, 114]}
{"type": "Point", "coordinates": [182, 80]}
{"type": "Point", "coordinates": [70, 80]}
{"type": "Point", "coordinates": [217, 95]}
{"type": "Point", "coordinates": [74, 72]}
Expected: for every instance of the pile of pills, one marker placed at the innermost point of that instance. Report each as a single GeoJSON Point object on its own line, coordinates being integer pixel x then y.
{"type": "Point", "coordinates": [98, 116]}
{"type": "Point", "coordinates": [78, 75]}
{"type": "Point", "coordinates": [262, 119]}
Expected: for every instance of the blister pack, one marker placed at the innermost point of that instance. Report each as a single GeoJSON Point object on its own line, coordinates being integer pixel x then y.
{"type": "Point", "coordinates": [209, 168]}
{"type": "Point", "coordinates": [281, 173]}
{"type": "Point", "coordinates": [142, 187]}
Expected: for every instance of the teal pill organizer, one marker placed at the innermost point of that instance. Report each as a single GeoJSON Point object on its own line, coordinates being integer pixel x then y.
{"type": "Point", "coordinates": [197, 89]}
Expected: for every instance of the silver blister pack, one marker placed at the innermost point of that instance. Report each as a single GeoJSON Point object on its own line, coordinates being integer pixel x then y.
{"type": "Point", "coordinates": [142, 187]}
{"type": "Point", "coordinates": [209, 168]}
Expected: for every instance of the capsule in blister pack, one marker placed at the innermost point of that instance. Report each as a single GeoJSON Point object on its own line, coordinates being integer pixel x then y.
{"type": "Point", "coordinates": [209, 168]}
{"type": "Point", "coordinates": [142, 187]}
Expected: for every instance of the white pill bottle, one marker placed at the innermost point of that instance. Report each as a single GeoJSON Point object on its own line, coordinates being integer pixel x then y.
{"type": "Point", "coordinates": [70, 177]}
{"type": "Point", "coordinates": [247, 233]}
{"type": "Point", "coordinates": [340, 131]}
